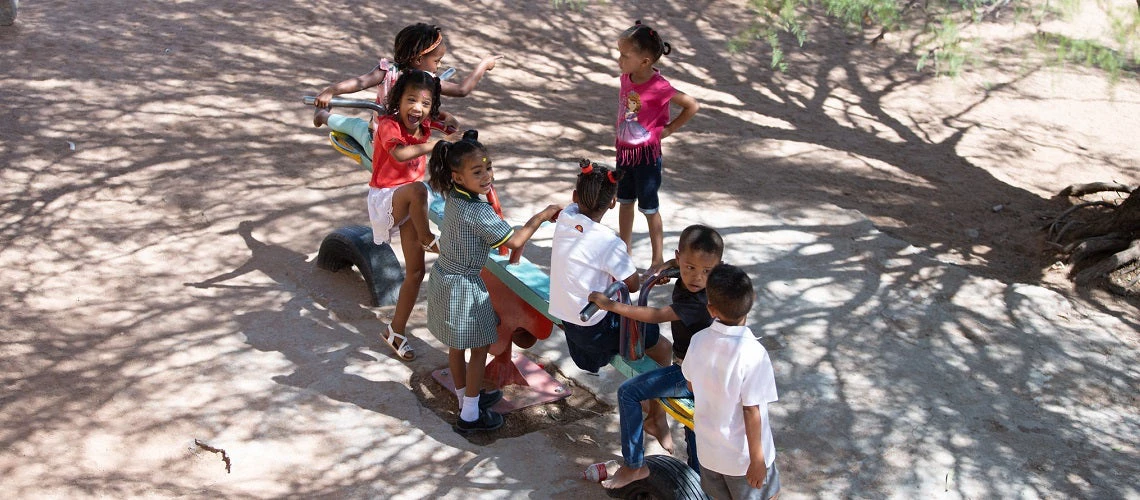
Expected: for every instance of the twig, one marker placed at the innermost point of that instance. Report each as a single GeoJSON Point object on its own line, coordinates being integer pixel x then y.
{"type": "Point", "coordinates": [211, 449]}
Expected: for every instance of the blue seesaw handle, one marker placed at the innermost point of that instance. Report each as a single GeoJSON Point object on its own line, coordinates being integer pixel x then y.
{"type": "Point", "coordinates": [592, 308]}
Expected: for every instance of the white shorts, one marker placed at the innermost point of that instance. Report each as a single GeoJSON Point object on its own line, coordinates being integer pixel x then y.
{"type": "Point", "coordinates": [380, 214]}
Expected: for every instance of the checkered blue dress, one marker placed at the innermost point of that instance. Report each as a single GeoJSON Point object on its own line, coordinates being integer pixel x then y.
{"type": "Point", "coordinates": [459, 308]}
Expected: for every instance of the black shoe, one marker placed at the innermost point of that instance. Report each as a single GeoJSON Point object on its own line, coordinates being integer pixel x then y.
{"type": "Point", "coordinates": [488, 399]}
{"type": "Point", "coordinates": [487, 421]}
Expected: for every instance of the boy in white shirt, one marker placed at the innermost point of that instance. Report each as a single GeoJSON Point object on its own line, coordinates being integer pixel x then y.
{"type": "Point", "coordinates": [732, 381]}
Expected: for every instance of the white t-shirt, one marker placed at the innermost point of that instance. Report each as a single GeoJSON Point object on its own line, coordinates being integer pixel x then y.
{"type": "Point", "coordinates": [585, 257]}
{"type": "Point", "coordinates": [729, 370]}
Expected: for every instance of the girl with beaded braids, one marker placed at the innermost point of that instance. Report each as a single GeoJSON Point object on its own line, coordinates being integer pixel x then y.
{"type": "Point", "coordinates": [459, 308]}
{"type": "Point", "coordinates": [418, 46]}
{"type": "Point", "coordinates": [642, 122]}
{"type": "Point", "coordinates": [587, 256]}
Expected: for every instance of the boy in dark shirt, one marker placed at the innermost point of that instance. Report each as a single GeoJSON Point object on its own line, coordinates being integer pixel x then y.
{"type": "Point", "coordinates": [699, 250]}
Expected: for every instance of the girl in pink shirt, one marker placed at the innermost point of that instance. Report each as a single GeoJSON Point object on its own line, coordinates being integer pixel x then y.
{"type": "Point", "coordinates": [642, 121]}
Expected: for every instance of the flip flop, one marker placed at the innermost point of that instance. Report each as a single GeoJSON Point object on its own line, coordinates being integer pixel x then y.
{"type": "Point", "coordinates": [405, 351]}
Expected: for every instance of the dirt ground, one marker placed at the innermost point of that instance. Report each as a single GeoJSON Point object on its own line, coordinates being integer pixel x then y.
{"type": "Point", "coordinates": [164, 194]}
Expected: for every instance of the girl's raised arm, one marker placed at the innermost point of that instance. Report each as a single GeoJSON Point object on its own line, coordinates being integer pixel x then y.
{"type": "Point", "coordinates": [462, 89]}
{"type": "Point", "coordinates": [367, 80]}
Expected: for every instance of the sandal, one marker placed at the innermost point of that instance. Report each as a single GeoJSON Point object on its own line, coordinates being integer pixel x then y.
{"type": "Point", "coordinates": [405, 351]}
{"type": "Point", "coordinates": [432, 247]}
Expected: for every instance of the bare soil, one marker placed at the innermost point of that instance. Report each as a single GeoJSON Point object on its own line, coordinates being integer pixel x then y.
{"type": "Point", "coordinates": [164, 195]}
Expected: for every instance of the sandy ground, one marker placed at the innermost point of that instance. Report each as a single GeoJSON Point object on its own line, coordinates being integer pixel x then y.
{"type": "Point", "coordinates": [164, 195]}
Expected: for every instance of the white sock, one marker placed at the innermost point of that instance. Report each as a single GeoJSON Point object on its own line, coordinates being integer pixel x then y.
{"type": "Point", "coordinates": [459, 393]}
{"type": "Point", "coordinates": [470, 411]}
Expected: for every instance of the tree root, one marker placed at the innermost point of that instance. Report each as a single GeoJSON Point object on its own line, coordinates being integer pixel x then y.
{"type": "Point", "coordinates": [1081, 250]}
{"type": "Point", "coordinates": [1056, 234]}
{"type": "Point", "coordinates": [1095, 187]}
{"type": "Point", "coordinates": [1105, 266]}
{"type": "Point", "coordinates": [1100, 238]}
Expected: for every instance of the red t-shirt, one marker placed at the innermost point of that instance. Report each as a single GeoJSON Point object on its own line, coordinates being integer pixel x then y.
{"type": "Point", "coordinates": [386, 171]}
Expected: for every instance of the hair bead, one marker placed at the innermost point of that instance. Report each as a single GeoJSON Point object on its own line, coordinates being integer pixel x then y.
{"type": "Point", "coordinates": [586, 165]}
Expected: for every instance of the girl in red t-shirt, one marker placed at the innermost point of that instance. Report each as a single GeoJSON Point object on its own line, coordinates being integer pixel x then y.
{"type": "Point", "coordinates": [396, 193]}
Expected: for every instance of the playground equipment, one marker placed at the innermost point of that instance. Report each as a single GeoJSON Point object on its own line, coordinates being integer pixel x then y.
{"type": "Point", "coordinates": [520, 295]}
{"type": "Point", "coordinates": [519, 290]}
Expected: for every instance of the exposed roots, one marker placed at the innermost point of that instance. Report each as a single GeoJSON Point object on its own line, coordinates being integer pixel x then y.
{"type": "Point", "coordinates": [1100, 238]}
{"type": "Point", "coordinates": [1095, 187]}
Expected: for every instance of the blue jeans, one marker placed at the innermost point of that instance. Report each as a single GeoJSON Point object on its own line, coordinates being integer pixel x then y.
{"type": "Point", "coordinates": [667, 382]}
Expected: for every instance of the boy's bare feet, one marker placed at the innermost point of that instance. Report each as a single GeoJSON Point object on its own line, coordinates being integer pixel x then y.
{"type": "Point", "coordinates": [624, 476]}
{"type": "Point", "coordinates": [320, 117]}
{"type": "Point", "coordinates": [656, 426]}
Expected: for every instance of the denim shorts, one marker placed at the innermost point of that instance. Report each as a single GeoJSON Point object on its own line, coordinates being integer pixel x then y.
{"type": "Point", "coordinates": [640, 182]}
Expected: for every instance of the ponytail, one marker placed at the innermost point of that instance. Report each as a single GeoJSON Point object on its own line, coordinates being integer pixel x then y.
{"type": "Point", "coordinates": [647, 40]}
{"type": "Point", "coordinates": [440, 180]}
{"type": "Point", "coordinates": [447, 157]}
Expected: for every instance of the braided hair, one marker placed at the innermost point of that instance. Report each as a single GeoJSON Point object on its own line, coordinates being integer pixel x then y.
{"type": "Point", "coordinates": [447, 157]}
{"type": "Point", "coordinates": [647, 40]}
{"type": "Point", "coordinates": [596, 186]}
{"type": "Point", "coordinates": [414, 79]}
{"type": "Point", "coordinates": [414, 41]}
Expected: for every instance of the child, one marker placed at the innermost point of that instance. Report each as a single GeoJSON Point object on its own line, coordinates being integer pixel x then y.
{"type": "Point", "coordinates": [586, 257]}
{"type": "Point", "coordinates": [642, 121]}
{"type": "Point", "coordinates": [459, 307]}
{"type": "Point", "coordinates": [395, 194]}
{"type": "Point", "coordinates": [699, 250]}
{"type": "Point", "coordinates": [418, 46]}
{"type": "Point", "coordinates": [732, 381]}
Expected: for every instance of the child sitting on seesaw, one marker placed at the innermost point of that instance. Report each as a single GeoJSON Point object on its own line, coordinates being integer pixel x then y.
{"type": "Point", "coordinates": [698, 251]}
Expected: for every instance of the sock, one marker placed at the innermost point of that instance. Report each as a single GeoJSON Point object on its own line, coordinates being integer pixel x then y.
{"type": "Point", "coordinates": [470, 411]}
{"type": "Point", "coordinates": [459, 394]}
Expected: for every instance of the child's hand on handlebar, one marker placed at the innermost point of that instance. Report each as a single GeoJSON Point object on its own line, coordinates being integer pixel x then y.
{"type": "Point", "coordinates": [322, 100]}
{"type": "Point", "coordinates": [601, 300]}
{"type": "Point", "coordinates": [453, 137]}
{"type": "Point", "coordinates": [671, 263]}
{"type": "Point", "coordinates": [550, 213]}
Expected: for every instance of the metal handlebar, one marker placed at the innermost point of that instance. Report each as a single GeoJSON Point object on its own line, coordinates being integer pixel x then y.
{"type": "Point", "coordinates": [340, 102]}
{"type": "Point", "coordinates": [592, 308]}
{"type": "Point", "coordinates": [616, 286]}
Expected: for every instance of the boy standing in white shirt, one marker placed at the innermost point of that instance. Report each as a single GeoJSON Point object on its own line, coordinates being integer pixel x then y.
{"type": "Point", "coordinates": [732, 381]}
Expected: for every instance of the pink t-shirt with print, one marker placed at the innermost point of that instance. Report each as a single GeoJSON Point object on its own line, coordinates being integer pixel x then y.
{"type": "Point", "coordinates": [647, 105]}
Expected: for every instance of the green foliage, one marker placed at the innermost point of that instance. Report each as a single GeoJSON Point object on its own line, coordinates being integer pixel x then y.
{"type": "Point", "coordinates": [938, 26]}
{"type": "Point", "coordinates": [1088, 53]}
{"type": "Point", "coordinates": [946, 53]}
{"type": "Point", "coordinates": [572, 4]}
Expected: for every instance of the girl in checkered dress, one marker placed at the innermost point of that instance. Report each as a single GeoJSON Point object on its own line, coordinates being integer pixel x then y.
{"type": "Point", "coordinates": [459, 307]}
